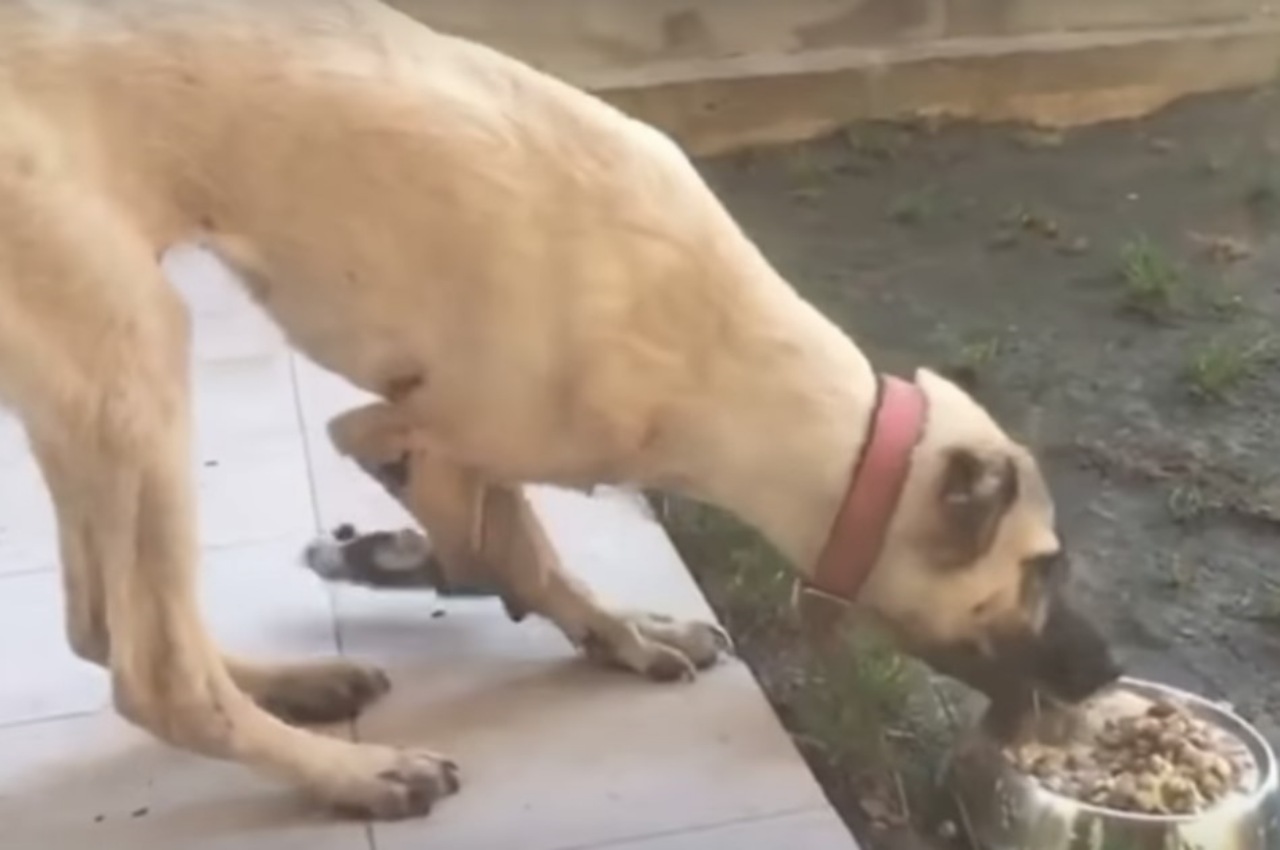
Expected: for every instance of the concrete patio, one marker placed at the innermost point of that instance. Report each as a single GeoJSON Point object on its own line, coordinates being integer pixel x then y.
{"type": "Point", "coordinates": [555, 754]}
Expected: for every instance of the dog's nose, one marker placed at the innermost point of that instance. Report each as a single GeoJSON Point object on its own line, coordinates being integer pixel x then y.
{"type": "Point", "coordinates": [1071, 659]}
{"type": "Point", "coordinates": [1068, 661]}
{"type": "Point", "coordinates": [1075, 677]}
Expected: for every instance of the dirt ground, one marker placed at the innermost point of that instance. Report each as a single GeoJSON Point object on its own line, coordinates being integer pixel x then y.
{"type": "Point", "coordinates": [1114, 293]}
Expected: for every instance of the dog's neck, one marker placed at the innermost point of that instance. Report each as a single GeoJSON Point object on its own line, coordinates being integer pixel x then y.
{"type": "Point", "coordinates": [779, 434]}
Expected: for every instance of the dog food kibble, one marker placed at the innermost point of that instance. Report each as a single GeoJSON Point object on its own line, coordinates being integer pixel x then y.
{"type": "Point", "coordinates": [1161, 761]}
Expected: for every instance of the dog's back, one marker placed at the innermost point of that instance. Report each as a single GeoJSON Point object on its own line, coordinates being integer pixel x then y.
{"type": "Point", "coordinates": [261, 113]}
{"type": "Point", "coordinates": [255, 90]}
{"type": "Point", "coordinates": [400, 181]}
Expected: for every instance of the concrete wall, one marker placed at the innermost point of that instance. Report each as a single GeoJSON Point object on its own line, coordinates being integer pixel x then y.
{"type": "Point", "coordinates": [720, 73]}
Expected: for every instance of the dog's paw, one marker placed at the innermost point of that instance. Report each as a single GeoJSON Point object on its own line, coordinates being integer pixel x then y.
{"type": "Point", "coordinates": [386, 560]}
{"type": "Point", "coordinates": [318, 692]}
{"type": "Point", "coordinates": [385, 783]}
{"type": "Point", "coordinates": [401, 559]}
{"type": "Point", "coordinates": [659, 647]}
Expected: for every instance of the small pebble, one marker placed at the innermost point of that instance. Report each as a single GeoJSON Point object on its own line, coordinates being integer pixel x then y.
{"type": "Point", "coordinates": [1002, 239]}
{"type": "Point", "coordinates": [1074, 247]}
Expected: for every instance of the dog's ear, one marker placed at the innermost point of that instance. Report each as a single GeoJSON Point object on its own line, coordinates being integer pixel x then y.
{"type": "Point", "coordinates": [975, 491]}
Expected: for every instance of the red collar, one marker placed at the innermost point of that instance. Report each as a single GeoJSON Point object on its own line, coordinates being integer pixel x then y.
{"type": "Point", "coordinates": [857, 535]}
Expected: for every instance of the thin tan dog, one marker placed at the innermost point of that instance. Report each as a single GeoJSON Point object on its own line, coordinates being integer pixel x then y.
{"type": "Point", "coordinates": [541, 289]}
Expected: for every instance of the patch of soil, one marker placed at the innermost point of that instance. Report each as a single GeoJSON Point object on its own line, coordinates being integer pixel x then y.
{"type": "Point", "coordinates": [1114, 294]}
{"type": "Point", "coordinates": [862, 715]}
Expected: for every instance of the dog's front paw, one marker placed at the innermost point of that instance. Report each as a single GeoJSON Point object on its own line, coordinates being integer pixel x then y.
{"type": "Point", "coordinates": [383, 559]}
{"type": "Point", "coordinates": [659, 647]}
{"type": "Point", "coordinates": [386, 560]}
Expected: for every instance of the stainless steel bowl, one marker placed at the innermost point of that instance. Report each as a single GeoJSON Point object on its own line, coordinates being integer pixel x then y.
{"type": "Point", "coordinates": [1006, 810]}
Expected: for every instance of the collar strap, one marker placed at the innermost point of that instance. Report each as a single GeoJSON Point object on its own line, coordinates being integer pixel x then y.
{"type": "Point", "coordinates": [858, 533]}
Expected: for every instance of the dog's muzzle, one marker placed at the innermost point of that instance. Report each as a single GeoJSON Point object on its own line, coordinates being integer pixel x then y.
{"type": "Point", "coordinates": [1067, 662]}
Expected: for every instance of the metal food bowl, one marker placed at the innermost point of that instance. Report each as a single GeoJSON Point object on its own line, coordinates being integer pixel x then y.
{"type": "Point", "coordinates": [1004, 809]}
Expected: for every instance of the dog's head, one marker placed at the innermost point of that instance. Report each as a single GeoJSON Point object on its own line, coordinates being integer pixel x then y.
{"type": "Point", "coordinates": [972, 575]}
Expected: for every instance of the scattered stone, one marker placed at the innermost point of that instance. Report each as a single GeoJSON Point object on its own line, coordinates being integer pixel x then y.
{"type": "Point", "coordinates": [806, 194]}
{"type": "Point", "coordinates": [1041, 225]}
{"type": "Point", "coordinates": [876, 809]}
{"type": "Point", "coordinates": [1003, 239]}
{"type": "Point", "coordinates": [1222, 249]}
{"type": "Point", "coordinates": [1040, 139]}
{"type": "Point", "coordinates": [1074, 247]}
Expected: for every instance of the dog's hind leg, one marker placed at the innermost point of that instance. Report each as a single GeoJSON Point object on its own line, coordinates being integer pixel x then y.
{"type": "Point", "coordinates": [325, 691]}
{"type": "Point", "coordinates": [93, 357]}
{"type": "Point", "coordinates": [83, 594]}
{"type": "Point", "coordinates": [479, 529]}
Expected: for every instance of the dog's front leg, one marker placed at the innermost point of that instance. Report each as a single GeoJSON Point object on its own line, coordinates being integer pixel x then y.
{"type": "Point", "coordinates": [663, 648]}
{"type": "Point", "coordinates": [485, 532]}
